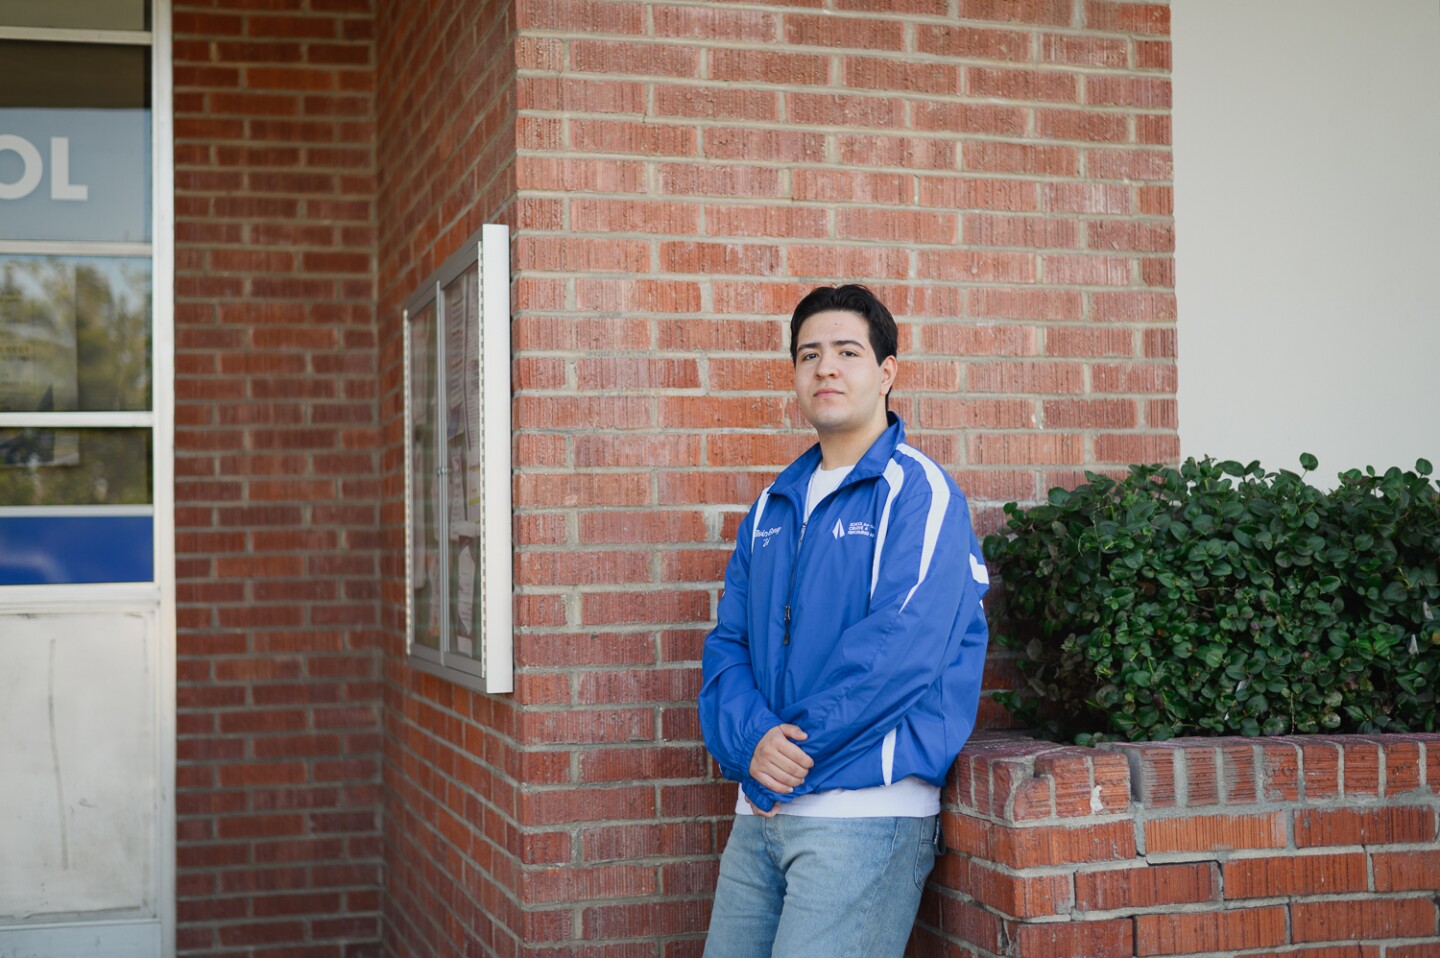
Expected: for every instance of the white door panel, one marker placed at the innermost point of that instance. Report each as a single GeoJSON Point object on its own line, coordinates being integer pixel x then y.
{"type": "Point", "coordinates": [80, 767]}
{"type": "Point", "coordinates": [92, 940]}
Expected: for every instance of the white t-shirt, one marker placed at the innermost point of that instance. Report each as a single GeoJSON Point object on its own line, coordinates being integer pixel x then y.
{"type": "Point", "coordinates": [822, 483]}
{"type": "Point", "coordinates": [907, 798]}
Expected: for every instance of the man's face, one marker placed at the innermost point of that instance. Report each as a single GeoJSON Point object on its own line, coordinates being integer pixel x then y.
{"type": "Point", "coordinates": [840, 386]}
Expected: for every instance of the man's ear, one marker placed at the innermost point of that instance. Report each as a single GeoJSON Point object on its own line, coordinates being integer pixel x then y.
{"type": "Point", "coordinates": [889, 369]}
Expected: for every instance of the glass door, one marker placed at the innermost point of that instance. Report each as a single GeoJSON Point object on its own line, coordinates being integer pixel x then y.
{"type": "Point", "coordinates": [86, 472]}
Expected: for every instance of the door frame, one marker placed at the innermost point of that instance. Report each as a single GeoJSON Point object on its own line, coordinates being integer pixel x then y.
{"type": "Point", "coordinates": [73, 938]}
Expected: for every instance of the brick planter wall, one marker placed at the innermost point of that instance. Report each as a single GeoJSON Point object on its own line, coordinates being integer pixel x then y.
{"type": "Point", "coordinates": [1309, 846]}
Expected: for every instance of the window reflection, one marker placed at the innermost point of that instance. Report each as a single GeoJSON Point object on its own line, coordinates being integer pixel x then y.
{"type": "Point", "coordinates": [424, 446]}
{"type": "Point", "coordinates": [74, 334]}
{"type": "Point", "coordinates": [464, 441]}
{"type": "Point", "coordinates": [74, 467]}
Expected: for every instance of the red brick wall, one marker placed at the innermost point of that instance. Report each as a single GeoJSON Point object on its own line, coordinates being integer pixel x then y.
{"type": "Point", "coordinates": [277, 499]}
{"type": "Point", "coordinates": [676, 177]}
{"type": "Point", "coordinates": [1309, 846]}
{"type": "Point", "coordinates": [453, 770]}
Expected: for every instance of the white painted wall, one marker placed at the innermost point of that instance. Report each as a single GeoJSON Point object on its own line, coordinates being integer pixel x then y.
{"type": "Point", "coordinates": [1307, 218]}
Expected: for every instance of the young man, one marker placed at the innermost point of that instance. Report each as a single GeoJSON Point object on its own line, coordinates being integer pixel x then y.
{"type": "Point", "coordinates": [844, 672]}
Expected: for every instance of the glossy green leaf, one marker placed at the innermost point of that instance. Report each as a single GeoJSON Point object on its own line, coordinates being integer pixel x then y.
{"type": "Point", "coordinates": [1214, 599]}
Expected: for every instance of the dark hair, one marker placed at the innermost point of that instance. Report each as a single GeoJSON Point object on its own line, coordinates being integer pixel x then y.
{"type": "Point", "coordinates": [850, 298]}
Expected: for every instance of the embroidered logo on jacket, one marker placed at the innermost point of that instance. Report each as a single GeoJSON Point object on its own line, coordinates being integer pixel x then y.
{"type": "Point", "coordinates": [765, 534]}
{"type": "Point", "coordinates": [853, 529]}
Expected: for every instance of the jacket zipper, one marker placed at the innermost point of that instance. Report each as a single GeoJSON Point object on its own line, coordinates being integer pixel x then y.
{"type": "Point", "coordinates": [795, 565]}
{"type": "Point", "coordinates": [790, 596]}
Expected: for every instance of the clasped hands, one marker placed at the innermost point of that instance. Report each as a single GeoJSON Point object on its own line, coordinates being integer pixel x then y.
{"type": "Point", "coordinates": [779, 764]}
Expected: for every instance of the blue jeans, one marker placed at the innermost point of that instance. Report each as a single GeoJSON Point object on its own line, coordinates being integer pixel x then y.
{"type": "Point", "coordinates": [796, 887]}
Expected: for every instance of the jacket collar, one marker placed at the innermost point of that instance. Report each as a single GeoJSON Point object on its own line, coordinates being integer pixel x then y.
{"type": "Point", "coordinates": [795, 480]}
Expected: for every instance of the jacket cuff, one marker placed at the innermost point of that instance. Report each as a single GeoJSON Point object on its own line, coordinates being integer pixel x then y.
{"type": "Point", "coordinates": [756, 732]}
{"type": "Point", "coordinates": [760, 796]}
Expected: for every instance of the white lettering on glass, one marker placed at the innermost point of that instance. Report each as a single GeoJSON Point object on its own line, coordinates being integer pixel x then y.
{"type": "Point", "coordinates": [33, 169]}
{"type": "Point", "coordinates": [60, 186]}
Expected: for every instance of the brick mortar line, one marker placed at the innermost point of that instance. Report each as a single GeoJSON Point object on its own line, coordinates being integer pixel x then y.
{"type": "Point", "coordinates": [960, 244]}
{"type": "Point", "coordinates": [935, 176]}
{"type": "Point", "coordinates": [660, 275]}
{"type": "Point", "coordinates": [908, 54]}
{"type": "Point", "coordinates": [268, 893]}
{"type": "Point", "coordinates": [678, 121]}
{"type": "Point", "coordinates": [782, 202]}
{"type": "Point", "coordinates": [1386, 848]}
{"type": "Point", "coordinates": [281, 838]}
{"type": "Point", "coordinates": [781, 48]}
{"type": "Point", "coordinates": [958, 320]}
{"type": "Point", "coordinates": [184, 7]}
{"type": "Point", "coordinates": [248, 656]}
{"type": "Point", "coordinates": [296, 270]}
{"type": "Point", "coordinates": [1142, 813]}
{"type": "Point", "coordinates": [560, 471]}
{"type": "Point", "coordinates": [559, 787]}
{"type": "Point", "coordinates": [1210, 908]}
{"type": "Point", "coordinates": [242, 88]}
{"type": "Point", "coordinates": [340, 119]}
{"type": "Point", "coordinates": [1416, 798]}
{"type": "Point", "coordinates": [1118, 111]}
{"type": "Point", "coordinates": [785, 202]}
{"type": "Point", "coordinates": [803, 279]}
{"type": "Point", "coordinates": [250, 192]}
{"type": "Point", "coordinates": [838, 87]}
{"type": "Point", "coordinates": [762, 471]}
{"type": "Point", "coordinates": [778, 244]}
{"type": "Point", "coordinates": [829, 242]}
{"type": "Point", "coordinates": [507, 853]}
{"type": "Point", "coordinates": [933, 173]}
{"type": "Point", "coordinates": [1339, 800]}
{"type": "Point", "coordinates": [261, 167]}
{"type": "Point", "coordinates": [675, 665]}
{"type": "Point", "coordinates": [701, 393]}
{"type": "Point", "coordinates": [288, 143]}
{"type": "Point", "coordinates": [878, 133]}
{"type": "Point", "coordinates": [444, 710]}
{"type": "Point", "coordinates": [809, 11]}
{"type": "Point", "coordinates": [762, 7]}
{"type": "Point", "coordinates": [272, 95]}
{"type": "Point", "coordinates": [297, 219]}
{"type": "Point", "coordinates": [758, 357]}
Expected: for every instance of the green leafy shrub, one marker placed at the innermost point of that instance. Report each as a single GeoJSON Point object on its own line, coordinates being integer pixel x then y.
{"type": "Point", "coordinates": [1219, 599]}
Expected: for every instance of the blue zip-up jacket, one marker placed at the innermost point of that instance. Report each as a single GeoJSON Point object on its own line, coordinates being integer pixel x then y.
{"type": "Point", "coordinates": [863, 626]}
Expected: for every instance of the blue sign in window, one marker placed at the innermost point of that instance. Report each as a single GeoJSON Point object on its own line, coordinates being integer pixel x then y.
{"type": "Point", "coordinates": [49, 549]}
